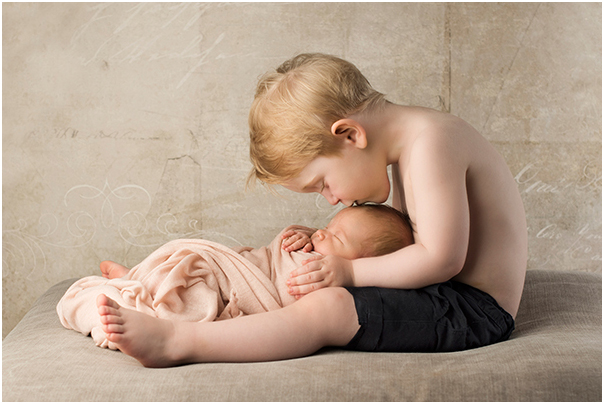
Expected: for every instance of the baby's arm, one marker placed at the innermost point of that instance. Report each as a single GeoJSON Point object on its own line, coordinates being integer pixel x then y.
{"type": "Point", "coordinates": [297, 238]}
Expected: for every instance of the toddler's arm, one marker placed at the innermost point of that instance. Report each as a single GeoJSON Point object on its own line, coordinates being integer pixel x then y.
{"type": "Point", "coordinates": [437, 183]}
{"type": "Point", "coordinates": [437, 175]}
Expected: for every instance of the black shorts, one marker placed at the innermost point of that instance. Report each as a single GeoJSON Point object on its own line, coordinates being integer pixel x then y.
{"type": "Point", "coordinates": [445, 317]}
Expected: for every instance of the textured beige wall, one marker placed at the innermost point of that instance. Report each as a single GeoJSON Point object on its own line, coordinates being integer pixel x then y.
{"type": "Point", "coordinates": [125, 125]}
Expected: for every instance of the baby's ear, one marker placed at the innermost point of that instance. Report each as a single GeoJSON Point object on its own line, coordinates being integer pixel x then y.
{"type": "Point", "coordinates": [350, 131]}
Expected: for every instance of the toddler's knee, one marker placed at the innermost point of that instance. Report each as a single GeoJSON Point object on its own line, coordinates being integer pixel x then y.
{"type": "Point", "coordinates": [333, 296]}
{"type": "Point", "coordinates": [332, 301]}
{"type": "Point", "coordinates": [334, 306]}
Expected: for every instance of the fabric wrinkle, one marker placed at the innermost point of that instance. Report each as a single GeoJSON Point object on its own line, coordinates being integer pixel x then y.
{"type": "Point", "coordinates": [188, 280]}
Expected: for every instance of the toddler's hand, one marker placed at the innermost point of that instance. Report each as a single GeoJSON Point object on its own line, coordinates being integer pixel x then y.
{"type": "Point", "coordinates": [294, 240]}
{"type": "Point", "coordinates": [320, 272]}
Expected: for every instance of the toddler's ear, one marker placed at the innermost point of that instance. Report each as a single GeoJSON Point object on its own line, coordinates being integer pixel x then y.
{"type": "Point", "coordinates": [350, 131]}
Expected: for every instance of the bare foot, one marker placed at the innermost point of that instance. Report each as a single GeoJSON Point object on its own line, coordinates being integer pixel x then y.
{"type": "Point", "coordinates": [112, 270]}
{"type": "Point", "coordinates": [148, 339]}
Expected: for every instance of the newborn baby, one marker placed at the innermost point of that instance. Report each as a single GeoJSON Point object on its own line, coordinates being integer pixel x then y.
{"type": "Point", "coordinates": [199, 280]}
{"type": "Point", "coordinates": [355, 232]}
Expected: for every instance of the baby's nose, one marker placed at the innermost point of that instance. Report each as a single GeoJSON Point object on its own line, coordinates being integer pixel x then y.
{"type": "Point", "coordinates": [320, 234]}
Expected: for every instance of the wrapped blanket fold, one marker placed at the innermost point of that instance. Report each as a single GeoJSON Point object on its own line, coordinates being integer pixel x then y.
{"type": "Point", "coordinates": [188, 280]}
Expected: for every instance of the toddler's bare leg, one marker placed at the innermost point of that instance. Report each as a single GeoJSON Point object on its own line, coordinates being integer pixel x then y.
{"type": "Point", "coordinates": [112, 270]}
{"type": "Point", "coordinates": [326, 317]}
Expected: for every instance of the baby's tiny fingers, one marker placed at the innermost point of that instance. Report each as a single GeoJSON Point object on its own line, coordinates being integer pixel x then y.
{"type": "Point", "coordinates": [287, 234]}
{"type": "Point", "coordinates": [300, 244]}
{"type": "Point", "coordinates": [290, 241]}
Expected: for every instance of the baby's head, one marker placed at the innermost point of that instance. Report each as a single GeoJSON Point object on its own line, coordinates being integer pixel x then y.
{"type": "Point", "coordinates": [364, 231]}
{"type": "Point", "coordinates": [294, 109]}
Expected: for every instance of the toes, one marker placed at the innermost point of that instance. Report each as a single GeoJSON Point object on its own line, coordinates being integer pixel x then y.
{"type": "Point", "coordinates": [116, 338]}
{"type": "Point", "coordinates": [103, 300]}
{"type": "Point", "coordinates": [113, 328]}
{"type": "Point", "coordinates": [111, 319]}
{"type": "Point", "coordinates": [107, 310]}
{"type": "Point", "coordinates": [105, 265]}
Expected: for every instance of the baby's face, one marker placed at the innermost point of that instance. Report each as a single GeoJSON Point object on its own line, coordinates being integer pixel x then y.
{"type": "Point", "coordinates": [344, 235]}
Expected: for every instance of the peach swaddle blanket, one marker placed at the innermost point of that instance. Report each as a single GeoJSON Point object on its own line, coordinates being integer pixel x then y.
{"type": "Point", "coordinates": [188, 280]}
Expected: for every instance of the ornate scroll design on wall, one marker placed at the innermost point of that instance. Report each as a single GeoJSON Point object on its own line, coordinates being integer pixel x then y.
{"type": "Point", "coordinates": [108, 197]}
{"type": "Point", "coordinates": [146, 32]}
{"type": "Point", "coordinates": [95, 216]}
{"type": "Point", "coordinates": [553, 231]}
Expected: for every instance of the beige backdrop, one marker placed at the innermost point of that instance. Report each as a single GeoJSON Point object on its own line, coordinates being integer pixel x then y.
{"type": "Point", "coordinates": [125, 125]}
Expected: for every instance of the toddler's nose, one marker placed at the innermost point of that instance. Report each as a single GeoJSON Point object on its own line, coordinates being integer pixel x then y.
{"type": "Point", "coordinates": [330, 197]}
{"type": "Point", "coordinates": [333, 200]}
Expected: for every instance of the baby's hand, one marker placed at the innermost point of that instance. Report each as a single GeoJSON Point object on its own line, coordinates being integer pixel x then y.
{"type": "Point", "coordinates": [294, 240]}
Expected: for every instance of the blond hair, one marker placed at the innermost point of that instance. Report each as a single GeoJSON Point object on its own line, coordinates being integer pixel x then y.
{"type": "Point", "coordinates": [294, 108]}
{"type": "Point", "coordinates": [392, 230]}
